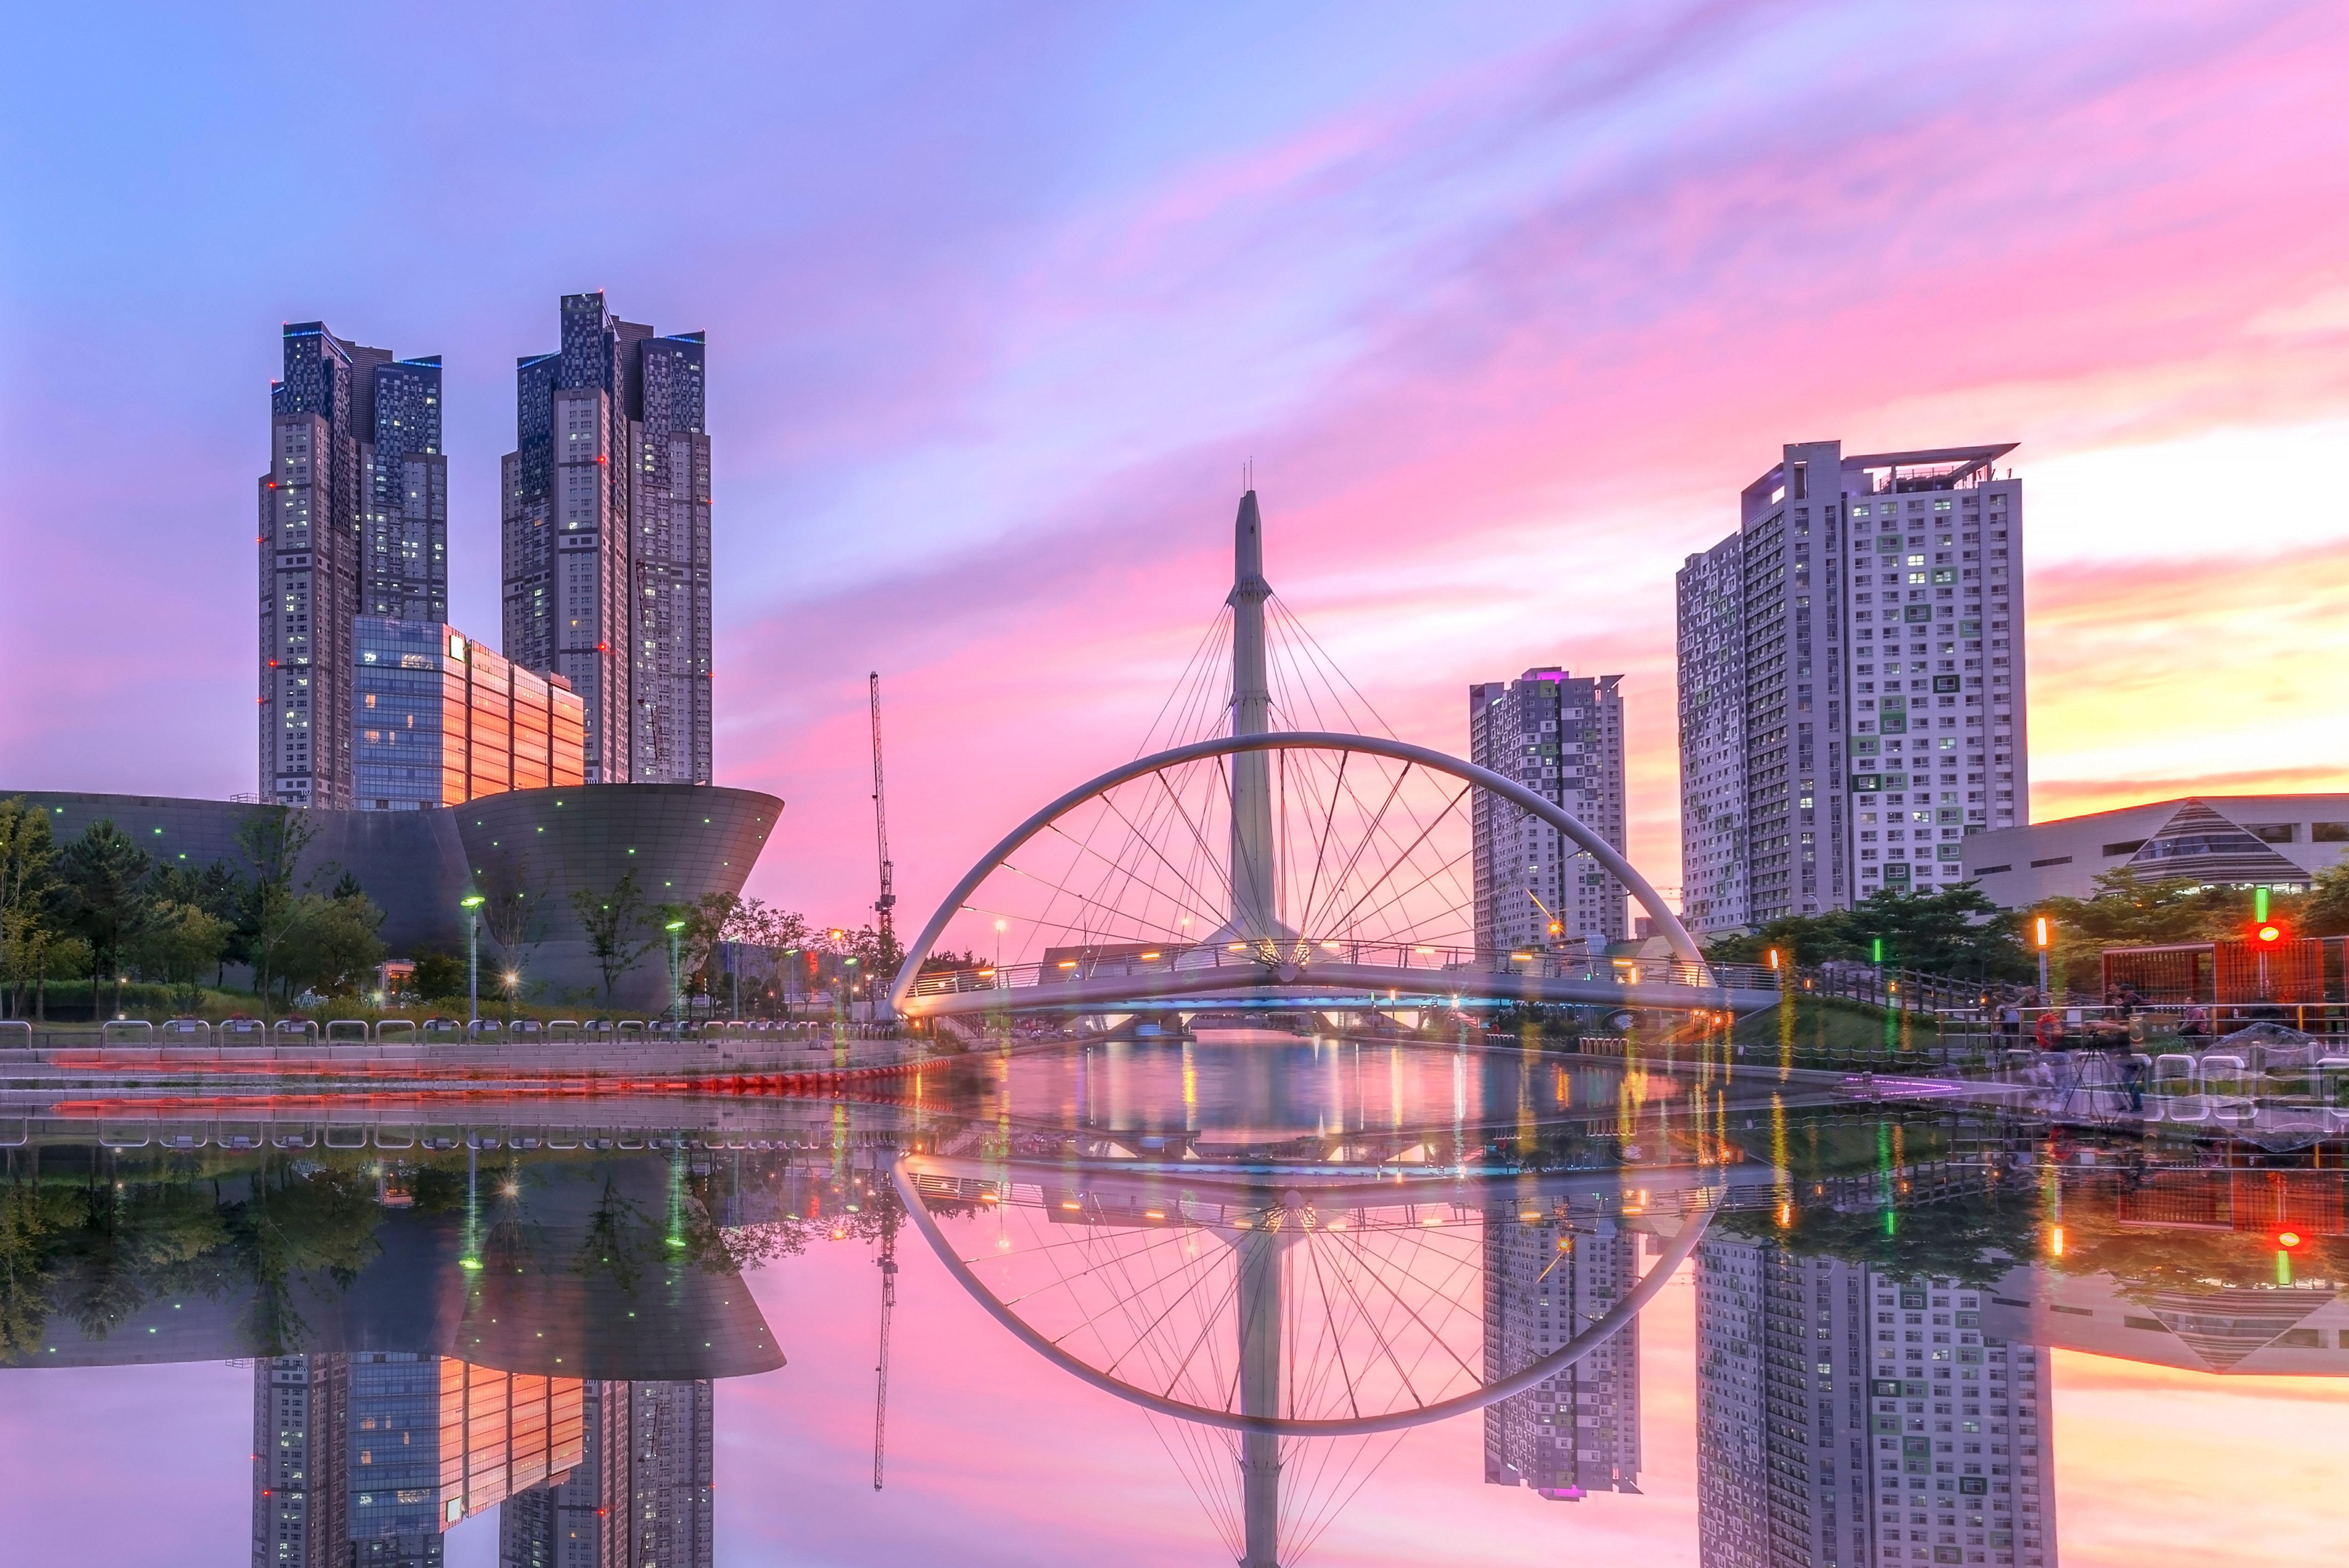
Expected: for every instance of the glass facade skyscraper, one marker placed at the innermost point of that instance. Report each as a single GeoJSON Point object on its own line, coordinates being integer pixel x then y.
{"type": "Point", "coordinates": [440, 720]}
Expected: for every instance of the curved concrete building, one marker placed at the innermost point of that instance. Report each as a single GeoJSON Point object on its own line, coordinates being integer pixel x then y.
{"type": "Point", "coordinates": [682, 843]}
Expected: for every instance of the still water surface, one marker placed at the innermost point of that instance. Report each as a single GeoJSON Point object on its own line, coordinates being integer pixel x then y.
{"type": "Point", "coordinates": [1246, 1300]}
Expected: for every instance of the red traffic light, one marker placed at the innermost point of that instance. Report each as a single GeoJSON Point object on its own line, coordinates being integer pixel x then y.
{"type": "Point", "coordinates": [2268, 932]}
{"type": "Point", "coordinates": [2287, 1240]}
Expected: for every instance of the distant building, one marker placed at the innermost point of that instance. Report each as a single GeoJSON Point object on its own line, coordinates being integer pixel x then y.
{"type": "Point", "coordinates": [1710, 595]}
{"type": "Point", "coordinates": [2277, 842]}
{"type": "Point", "coordinates": [607, 540]}
{"type": "Point", "coordinates": [439, 719]}
{"type": "Point", "coordinates": [1561, 736]}
{"type": "Point", "coordinates": [1851, 682]}
{"type": "Point", "coordinates": [1848, 1417]}
{"type": "Point", "coordinates": [353, 517]}
{"type": "Point", "coordinates": [642, 1495]}
{"type": "Point", "coordinates": [1577, 1431]}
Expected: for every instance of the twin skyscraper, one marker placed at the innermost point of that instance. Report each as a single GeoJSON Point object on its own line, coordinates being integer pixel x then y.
{"type": "Point", "coordinates": [369, 700]}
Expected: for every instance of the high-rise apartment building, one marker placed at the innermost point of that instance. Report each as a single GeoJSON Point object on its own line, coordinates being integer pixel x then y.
{"type": "Point", "coordinates": [1851, 682]}
{"type": "Point", "coordinates": [404, 495]}
{"type": "Point", "coordinates": [607, 540]}
{"type": "Point", "coordinates": [1577, 1431]}
{"type": "Point", "coordinates": [1561, 736]}
{"type": "Point", "coordinates": [353, 515]}
{"type": "Point", "coordinates": [1848, 1417]}
{"type": "Point", "coordinates": [640, 1498]}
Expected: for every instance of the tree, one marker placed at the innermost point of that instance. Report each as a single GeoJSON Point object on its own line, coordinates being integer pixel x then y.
{"type": "Point", "coordinates": [175, 944]}
{"type": "Point", "coordinates": [50, 954]}
{"type": "Point", "coordinates": [767, 936]}
{"type": "Point", "coordinates": [272, 843]}
{"type": "Point", "coordinates": [104, 876]}
{"type": "Point", "coordinates": [333, 947]}
{"type": "Point", "coordinates": [751, 920]}
{"type": "Point", "coordinates": [2128, 911]}
{"type": "Point", "coordinates": [214, 889]}
{"type": "Point", "coordinates": [2325, 912]}
{"type": "Point", "coordinates": [616, 926]}
{"type": "Point", "coordinates": [438, 974]}
{"type": "Point", "coordinates": [514, 912]}
{"type": "Point", "coordinates": [1956, 932]}
{"type": "Point", "coordinates": [27, 883]}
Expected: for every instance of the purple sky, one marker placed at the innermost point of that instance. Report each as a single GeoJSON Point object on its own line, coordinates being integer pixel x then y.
{"type": "Point", "coordinates": [1504, 302]}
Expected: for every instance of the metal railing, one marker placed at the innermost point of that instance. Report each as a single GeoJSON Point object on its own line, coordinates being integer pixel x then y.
{"type": "Point", "coordinates": [1294, 960]}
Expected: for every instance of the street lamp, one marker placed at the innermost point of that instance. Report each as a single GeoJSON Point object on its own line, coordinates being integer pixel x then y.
{"type": "Point", "coordinates": [471, 904]}
{"type": "Point", "coordinates": [1001, 926]}
{"type": "Point", "coordinates": [2039, 934]}
{"type": "Point", "coordinates": [675, 981]}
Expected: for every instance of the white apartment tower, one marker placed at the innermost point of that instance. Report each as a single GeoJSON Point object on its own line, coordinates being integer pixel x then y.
{"type": "Point", "coordinates": [1561, 736]}
{"type": "Point", "coordinates": [1852, 681]}
{"type": "Point", "coordinates": [1849, 1418]}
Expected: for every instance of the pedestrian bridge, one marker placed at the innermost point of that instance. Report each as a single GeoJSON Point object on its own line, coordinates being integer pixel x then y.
{"type": "Point", "coordinates": [1342, 976]}
{"type": "Point", "coordinates": [1288, 859]}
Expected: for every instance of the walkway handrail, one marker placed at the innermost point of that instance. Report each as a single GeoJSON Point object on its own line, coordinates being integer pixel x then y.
{"type": "Point", "coordinates": [1426, 963]}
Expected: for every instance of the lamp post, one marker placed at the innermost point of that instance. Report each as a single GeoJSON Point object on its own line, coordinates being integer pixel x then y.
{"type": "Point", "coordinates": [1000, 926]}
{"type": "Point", "coordinates": [675, 981]}
{"type": "Point", "coordinates": [473, 906]}
{"type": "Point", "coordinates": [2039, 936]}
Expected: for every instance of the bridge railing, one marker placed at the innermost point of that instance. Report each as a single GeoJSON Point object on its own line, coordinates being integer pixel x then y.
{"type": "Point", "coordinates": [1426, 966]}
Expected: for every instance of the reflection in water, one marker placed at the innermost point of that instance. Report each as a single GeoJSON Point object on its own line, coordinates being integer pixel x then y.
{"type": "Point", "coordinates": [1578, 1430]}
{"type": "Point", "coordinates": [1847, 1416]}
{"type": "Point", "coordinates": [1290, 1257]}
{"type": "Point", "coordinates": [371, 1458]}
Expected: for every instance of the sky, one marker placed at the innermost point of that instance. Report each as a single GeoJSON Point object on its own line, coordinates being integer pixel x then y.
{"type": "Point", "coordinates": [1503, 304]}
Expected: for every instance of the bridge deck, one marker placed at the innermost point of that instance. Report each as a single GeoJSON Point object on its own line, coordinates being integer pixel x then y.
{"type": "Point", "coordinates": [1304, 973]}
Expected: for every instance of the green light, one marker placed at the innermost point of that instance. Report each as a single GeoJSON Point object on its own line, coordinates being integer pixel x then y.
{"type": "Point", "coordinates": [2259, 904]}
{"type": "Point", "coordinates": [469, 1262]}
{"type": "Point", "coordinates": [677, 1240]}
{"type": "Point", "coordinates": [1877, 946]}
{"type": "Point", "coordinates": [677, 925]}
{"type": "Point", "coordinates": [472, 901]}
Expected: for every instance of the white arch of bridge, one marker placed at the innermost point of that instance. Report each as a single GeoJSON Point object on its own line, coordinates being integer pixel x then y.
{"type": "Point", "coordinates": [1667, 924]}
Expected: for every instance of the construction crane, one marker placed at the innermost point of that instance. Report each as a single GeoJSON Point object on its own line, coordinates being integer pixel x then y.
{"type": "Point", "coordinates": [888, 1300]}
{"type": "Point", "coordinates": [887, 902]}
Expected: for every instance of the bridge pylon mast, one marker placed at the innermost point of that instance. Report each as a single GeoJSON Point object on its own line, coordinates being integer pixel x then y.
{"type": "Point", "coordinates": [1254, 916]}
